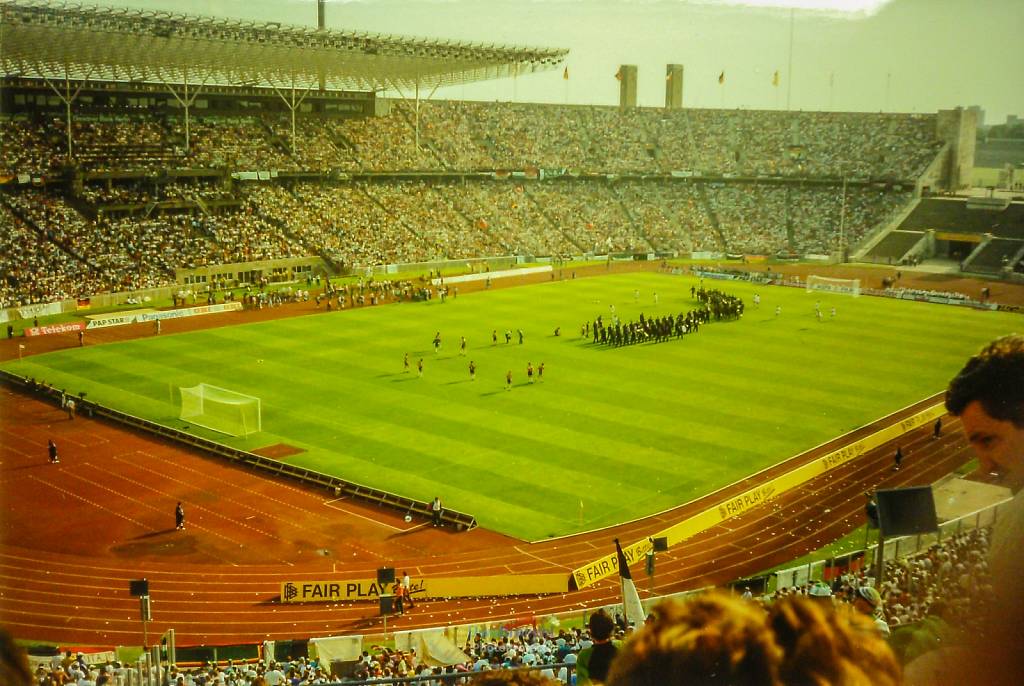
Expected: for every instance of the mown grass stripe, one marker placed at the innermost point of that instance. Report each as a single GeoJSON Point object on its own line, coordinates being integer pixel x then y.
{"type": "Point", "coordinates": [627, 431]}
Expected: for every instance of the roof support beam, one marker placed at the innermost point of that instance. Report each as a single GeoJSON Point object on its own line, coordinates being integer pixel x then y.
{"type": "Point", "coordinates": [186, 102]}
{"type": "Point", "coordinates": [416, 103]}
{"type": "Point", "coordinates": [293, 105]}
{"type": "Point", "coordinates": [68, 98]}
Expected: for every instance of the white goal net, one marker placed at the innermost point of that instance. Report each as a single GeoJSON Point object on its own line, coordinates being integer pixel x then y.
{"type": "Point", "coordinates": [220, 409]}
{"type": "Point", "coordinates": [829, 285]}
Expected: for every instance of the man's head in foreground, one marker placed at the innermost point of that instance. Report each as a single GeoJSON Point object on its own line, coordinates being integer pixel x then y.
{"type": "Point", "coordinates": [988, 396]}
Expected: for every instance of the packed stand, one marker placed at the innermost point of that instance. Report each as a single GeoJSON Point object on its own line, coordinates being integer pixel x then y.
{"type": "Point", "coordinates": [711, 638]}
{"type": "Point", "coordinates": [590, 216]}
{"type": "Point", "coordinates": [317, 145]}
{"type": "Point", "coordinates": [770, 219]}
{"type": "Point", "coordinates": [136, 193]}
{"type": "Point", "coordinates": [243, 236]}
{"type": "Point", "coordinates": [131, 253]}
{"type": "Point", "coordinates": [234, 143]}
{"type": "Point", "coordinates": [74, 234]}
{"type": "Point", "coordinates": [115, 142]}
{"type": "Point", "coordinates": [379, 144]}
{"type": "Point", "coordinates": [483, 136]}
{"type": "Point", "coordinates": [953, 573]}
{"type": "Point", "coordinates": [669, 215]}
{"type": "Point", "coordinates": [428, 212]}
{"type": "Point", "coordinates": [509, 219]}
{"type": "Point", "coordinates": [28, 146]}
{"type": "Point", "coordinates": [368, 223]}
{"type": "Point", "coordinates": [119, 143]}
{"type": "Point", "coordinates": [343, 221]}
{"type": "Point", "coordinates": [158, 247]}
{"type": "Point", "coordinates": [926, 601]}
{"type": "Point", "coordinates": [35, 269]}
{"type": "Point", "coordinates": [469, 136]}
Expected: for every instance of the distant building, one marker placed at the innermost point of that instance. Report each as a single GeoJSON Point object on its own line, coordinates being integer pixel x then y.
{"type": "Point", "coordinates": [979, 113]}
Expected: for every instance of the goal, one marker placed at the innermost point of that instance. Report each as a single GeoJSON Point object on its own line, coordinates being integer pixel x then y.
{"type": "Point", "coordinates": [824, 283]}
{"type": "Point", "coordinates": [220, 409]}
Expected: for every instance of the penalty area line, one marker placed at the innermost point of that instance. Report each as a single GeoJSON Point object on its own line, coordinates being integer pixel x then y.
{"type": "Point", "coordinates": [330, 503]}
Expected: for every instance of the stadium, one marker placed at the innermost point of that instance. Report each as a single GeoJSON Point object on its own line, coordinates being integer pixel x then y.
{"type": "Point", "coordinates": [286, 340]}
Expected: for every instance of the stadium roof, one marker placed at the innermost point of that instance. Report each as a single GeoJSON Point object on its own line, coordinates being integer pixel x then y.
{"type": "Point", "coordinates": [44, 38]}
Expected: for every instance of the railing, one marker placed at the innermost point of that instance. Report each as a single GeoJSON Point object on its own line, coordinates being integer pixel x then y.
{"type": "Point", "coordinates": [142, 675]}
{"type": "Point", "coordinates": [895, 548]}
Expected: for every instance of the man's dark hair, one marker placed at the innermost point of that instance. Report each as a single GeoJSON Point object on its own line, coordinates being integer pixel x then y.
{"type": "Point", "coordinates": [995, 378]}
{"type": "Point", "coordinates": [14, 666]}
{"type": "Point", "coordinates": [601, 626]}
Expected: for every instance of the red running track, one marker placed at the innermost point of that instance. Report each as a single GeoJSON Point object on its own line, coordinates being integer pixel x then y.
{"type": "Point", "coordinates": [74, 534]}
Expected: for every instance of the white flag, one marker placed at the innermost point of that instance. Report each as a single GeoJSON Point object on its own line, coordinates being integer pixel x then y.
{"type": "Point", "coordinates": [631, 606]}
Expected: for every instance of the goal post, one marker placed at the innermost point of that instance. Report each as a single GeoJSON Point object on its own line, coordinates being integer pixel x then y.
{"type": "Point", "coordinates": [220, 409]}
{"type": "Point", "coordinates": [830, 285]}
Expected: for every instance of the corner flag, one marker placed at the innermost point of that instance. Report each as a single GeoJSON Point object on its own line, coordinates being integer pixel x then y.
{"type": "Point", "coordinates": [631, 607]}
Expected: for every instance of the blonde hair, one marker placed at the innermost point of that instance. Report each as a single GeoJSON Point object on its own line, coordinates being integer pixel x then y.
{"type": "Point", "coordinates": [716, 639]}
{"type": "Point", "coordinates": [711, 639]}
{"type": "Point", "coordinates": [830, 647]}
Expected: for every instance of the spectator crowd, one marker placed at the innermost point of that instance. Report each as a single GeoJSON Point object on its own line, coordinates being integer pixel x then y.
{"type": "Point", "coordinates": [134, 228]}
{"type": "Point", "coordinates": [484, 136]}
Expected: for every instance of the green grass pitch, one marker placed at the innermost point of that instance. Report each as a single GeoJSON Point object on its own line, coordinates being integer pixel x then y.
{"type": "Point", "coordinates": [610, 435]}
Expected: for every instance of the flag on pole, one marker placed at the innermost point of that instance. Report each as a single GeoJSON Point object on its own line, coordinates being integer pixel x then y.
{"type": "Point", "coordinates": [775, 78]}
{"type": "Point", "coordinates": [631, 607]}
{"type": "Point", "coordinates": [721, 78]}
{"type": "Point", "coordinates": [565, 74]}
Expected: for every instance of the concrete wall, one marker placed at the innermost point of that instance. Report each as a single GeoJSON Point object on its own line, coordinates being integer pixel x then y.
{"type": "Point", "coordinates": [1007, 178]}
{"type": "Point", "coordinates": [935, 174]}
{"type": "Point", "coordinates": [959, 128]}
{"type": "Point", "coordinates": [287, 270]}
{"type": "Point", "coordinates": [627, 85]}
{"type": "Point", "coordinates": [673, 86]}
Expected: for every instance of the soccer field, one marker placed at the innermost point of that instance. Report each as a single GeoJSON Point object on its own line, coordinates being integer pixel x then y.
{"type": "Point", "coordinates": [610, 435]}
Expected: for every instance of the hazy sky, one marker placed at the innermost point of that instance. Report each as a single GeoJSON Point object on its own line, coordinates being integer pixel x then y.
{"type": "Point", "coordinates": [896, 55]}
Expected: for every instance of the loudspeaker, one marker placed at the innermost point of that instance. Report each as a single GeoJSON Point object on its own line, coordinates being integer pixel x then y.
{"type": "Point", "coordinates": [906, 511]}
{"type": "Point", "coordinates": [386, 575]}
{"type": "Point", "coordinates": [138, 587]}
{"type": "Point", "coordinates": [660, 544]}
{"type": "Point", "coordinates": [387, 605]}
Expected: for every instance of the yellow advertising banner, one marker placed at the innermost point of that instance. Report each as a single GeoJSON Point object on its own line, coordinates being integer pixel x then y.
{"type": "Point", "coordinates": [608, 565]}
{"type": "Point", "coordinates": [441, 587]}
{"type": "Point", "coordinates": [961, 237]}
